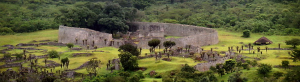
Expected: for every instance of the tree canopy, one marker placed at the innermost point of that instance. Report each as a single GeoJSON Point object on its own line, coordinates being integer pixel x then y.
{"type": "Point", "coordinates": [294, 42]}
{"type": "Point", "coordinates": [128, 61]}
{"type": "Point", "coordinates": [295, 55]}
{"type": "Point", "coordinates": [129, 48]}
{"type": "Point", "coordinates": [153, 43]}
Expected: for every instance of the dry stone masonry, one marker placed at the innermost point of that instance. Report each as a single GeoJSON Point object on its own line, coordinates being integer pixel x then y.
{"type": "Point", "coordinates": [142, 32]}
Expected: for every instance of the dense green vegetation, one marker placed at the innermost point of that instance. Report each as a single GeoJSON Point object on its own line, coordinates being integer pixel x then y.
{"type": "Point", "coordinates": [280, 17]}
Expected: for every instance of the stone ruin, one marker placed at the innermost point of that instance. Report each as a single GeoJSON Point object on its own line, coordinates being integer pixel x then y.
{"type": "Point", "coordinates": [113, 64]}
{"type": "Point", "coordinates": [140, 33]}
{"type": "Point", "coordinates": [213, 61]}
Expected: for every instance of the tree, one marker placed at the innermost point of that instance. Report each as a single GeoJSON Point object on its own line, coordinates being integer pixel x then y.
{"type": "Point", "coordinates": [153, 43]}
{"type": "Point", "coordinates": [187, 68]}
{"type": "Point", "coordinates": [295, 55]}
{"type": "Point", "coordinates": [77, 17]}
{"type": "Point", "coordinates": [229, 65]}
{"type": "Point", "coordinates": [168, 44]}
{"type": "Point", "coordinates": [113, 24]}
{"type": "Point", "coordinates": [128, 61]}
{"type": "Point", "coordinates": [64, 61]}
{"type": "Point", "coordinates": [246, 33]}
{"type": "Point", "coordinates": [53, 54]}
{"type": "Point", "coordinates": [129, 48]}
{"type": "Point", "coordinates": [264, 69]}
{"type": "Point", "coordinates": [294, 42]}
{"type": "Point", "coordinates": [285, 64]}
{"type": "Point", "coordinates": [220, 69]}
{"type": "Point", "coordinates": [93, 65]}
{"type": "Point", "coordinates": [142, 4]}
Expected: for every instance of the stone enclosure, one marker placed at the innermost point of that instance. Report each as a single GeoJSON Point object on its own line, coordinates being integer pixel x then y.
{"type": "Point", "coordinates": [140, 33]}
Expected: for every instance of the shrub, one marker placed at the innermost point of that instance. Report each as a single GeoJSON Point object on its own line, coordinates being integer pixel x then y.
{"type": "Point", "coordinates": [264, 69]}
{"type": "Point", "coordinates": [5, 31]}
{"type": "Point", "coordinates": [246, 34]}
{"type": "Point", "coordinates": [277, 74]}
{"type": "Point", "coordinates": [7, 55]}
{"type": "Point", "coordinates": [53, 54]}
{"type": "Point", "coordinates": [70, 45]}
{"type": "Point", "coordinates": [19, 56]}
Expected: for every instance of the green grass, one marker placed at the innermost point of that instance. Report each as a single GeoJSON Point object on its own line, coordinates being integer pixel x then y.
{"type": "Point", "coordinates": [172, 37]}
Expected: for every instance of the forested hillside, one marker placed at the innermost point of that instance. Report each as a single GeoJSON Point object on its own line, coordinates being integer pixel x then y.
{"type": "Point", "coordinates": [279, 17]}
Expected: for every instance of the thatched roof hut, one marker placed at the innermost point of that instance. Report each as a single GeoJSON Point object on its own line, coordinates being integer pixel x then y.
{"type": "Point", "coordinates": [263, 41]}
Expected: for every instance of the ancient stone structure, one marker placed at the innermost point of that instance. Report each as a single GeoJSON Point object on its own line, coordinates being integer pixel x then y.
{"type": "Point", "coordinates": [142, 32]}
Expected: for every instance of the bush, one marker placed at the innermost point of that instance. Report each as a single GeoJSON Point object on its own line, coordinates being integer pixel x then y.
{"type": "Point", "coordinates": [7, 55]}
{"type": "Point", "coordinates": [277, 74]}
{"type": "Point", "coordinates": [5, 31]}
{"type": "Point", "coordinates": [70, 45]}
{"type": "Point", "coordinates": [246, 66]}
{"type": "Point", "coordinates": [53, 54]}
{"type": "Point", "coordinates": [19, 56]}
{"type": "Point", "coordinates": [246, 34]}
{"type": "Point", "coordinates": [264, 69]}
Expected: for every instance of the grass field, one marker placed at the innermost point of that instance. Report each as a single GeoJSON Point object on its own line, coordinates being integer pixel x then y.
{"type": "Point", "coordinates": [226, 39]}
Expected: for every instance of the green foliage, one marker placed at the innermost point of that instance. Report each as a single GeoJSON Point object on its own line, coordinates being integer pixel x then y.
{"type": "Point", "coordinates": [49, 79]}
{"type": "Point", "coordinates": [294, 42]}
{"type": "Point", "coordinates": [70, 45]}
{"type": "Point", "coordinates": [5, 30]}
{"type": "Point", "coordinates": [246, 66]}
{"type": "Point", "coordinates": [128, 61]}
{"type": "Point", "coordinates": [295, 55]}
{"type": "Point", "coordinates": [277, 74]}
{"type": "Point", "coordinates": [264, 69]}
{"type": "Point", "coordinates": [293, 75]}
{"type": "Point", "coordinates": [246, 34]}
{"type": "Point", "coordinates": [64, 61]}
{"type": "Point", "coordinates": [7, 55]}
{"type": "Point", "coordinates": [125, 74]}
{"type": "Point", "coordinates": [229, 65]}
{"type": "Point", "coordinates": [74, 17]}
{"type": "Point", "coordinates": [53, 54]}
{"type": "Point", "coordinates": [134, 78]}
{"type": "Point", "coordinates": [140, 74]}
{"type": "Point", "coordinates": [285, 64]}
{"type": "Point", "coordinates": [253, 63]}
{"type": "Point", "coordinates": [129, 48]}
{"type": "Point", "coordinates": [187, 68]}
{"type": "Point", "coordinates": [220, 69]}
{"type": "Point", "coordinates": [236, 77]}
{"type": "Point", "coordinates": [19, 56]}
{"type": "Point", "coordinates": [153, 43]}
{"type": "Point", "coordinates": [93, 65]}
{"type": "Point", "coordinates": [169, 44]}
{"type": "Point", "coordinates": [142, 4]}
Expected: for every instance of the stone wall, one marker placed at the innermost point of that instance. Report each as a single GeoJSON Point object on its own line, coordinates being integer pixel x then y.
{"type": "Point", "coordinates": [70, 34]}
{"type": "Point", "coordinates": [190, 35]}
